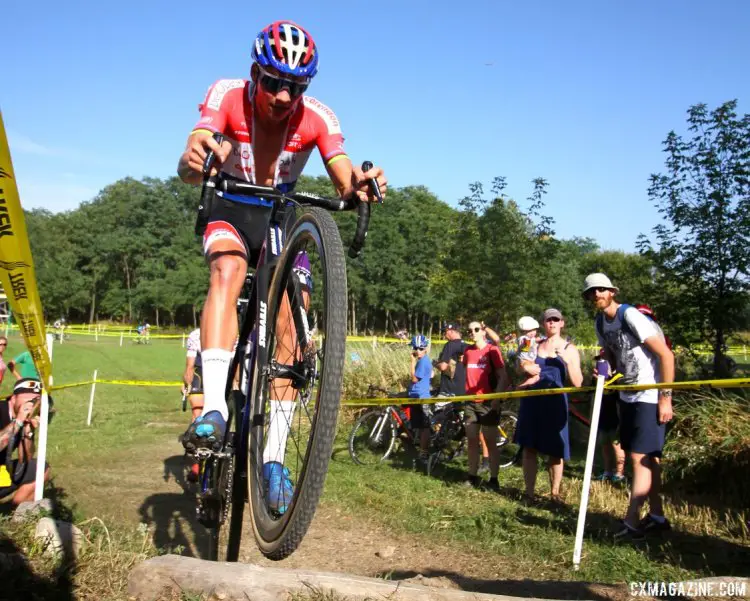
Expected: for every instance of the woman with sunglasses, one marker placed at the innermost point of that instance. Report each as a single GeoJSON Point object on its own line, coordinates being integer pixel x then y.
{"type": "Point", "coordinates": [543, 420]}
{"type": "Point", "coordinates": [270, 128]}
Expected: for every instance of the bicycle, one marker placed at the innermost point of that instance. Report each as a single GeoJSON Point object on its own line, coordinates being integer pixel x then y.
{"type": "Point", "coordinates": [292, 332]}
{"type": "Point", "coordinates": [374, 434]}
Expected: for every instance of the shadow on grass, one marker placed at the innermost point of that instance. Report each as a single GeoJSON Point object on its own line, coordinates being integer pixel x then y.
{"type": "Point", "coordinates": [541, 589]}
{"type": "Point", "coordinates": [19, 581]}
{"type": "Point", "coordinates": [173, 516]}
{"type": "Point", "coordinates": [696, 552]}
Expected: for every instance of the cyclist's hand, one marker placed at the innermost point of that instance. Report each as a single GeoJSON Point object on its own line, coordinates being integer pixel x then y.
{"type": "Point", "coordinates": [26, 410]}
{"type": "Point", "coordinates": [361, 186]}
{"type": "Point", "coordinates": [197, 148]}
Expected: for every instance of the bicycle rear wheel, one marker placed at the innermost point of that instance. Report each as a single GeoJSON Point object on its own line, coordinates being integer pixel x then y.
{"type": "Point", "coordinates": [506, 431]}
{"type": "Point", "coordinates": [372, 438]}
{"type": "Point", "coordinates": [300, 356]}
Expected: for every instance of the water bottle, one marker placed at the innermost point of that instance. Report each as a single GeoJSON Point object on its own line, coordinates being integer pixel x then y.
{"type": "Point", "coordinates": [602, 367]}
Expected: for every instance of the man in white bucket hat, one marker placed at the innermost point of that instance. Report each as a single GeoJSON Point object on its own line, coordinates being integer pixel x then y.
{"type": "Point", "coordinates": [638, 351]}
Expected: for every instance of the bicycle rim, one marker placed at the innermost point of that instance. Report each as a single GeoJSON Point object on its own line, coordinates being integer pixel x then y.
{"type": "Point", "coordinates": [507, 430]}
{"type": "Point", "coordinates": [305, 336]}
{"type": "Point", "coordinates": [372, 438]}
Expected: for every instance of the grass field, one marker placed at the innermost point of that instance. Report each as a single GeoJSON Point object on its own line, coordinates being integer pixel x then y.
{"type": "Point", "coordinates": [118, 470]}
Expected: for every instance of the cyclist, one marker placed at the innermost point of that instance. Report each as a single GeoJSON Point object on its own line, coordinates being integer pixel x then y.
{"type": "Point", "coordinates": [270, 129]}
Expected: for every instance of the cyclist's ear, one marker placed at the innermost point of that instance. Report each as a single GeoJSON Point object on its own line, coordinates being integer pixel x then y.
{"type": "Point", "coordinates": [254, 72]}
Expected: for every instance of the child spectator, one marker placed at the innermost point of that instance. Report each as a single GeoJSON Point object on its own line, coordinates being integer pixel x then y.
{"type": "Point", "coordinates": [527, 350]}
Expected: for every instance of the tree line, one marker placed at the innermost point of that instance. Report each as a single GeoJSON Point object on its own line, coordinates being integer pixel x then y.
{"type": "Point", "coordinates": [130, 254]}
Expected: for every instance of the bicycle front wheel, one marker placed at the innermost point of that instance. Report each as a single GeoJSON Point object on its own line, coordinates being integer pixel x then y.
{"type": "Point", "coordinates": [506, 431]}
{"type": "Point", "coordinates": [372, 438]}
{"type": "Point", "coordinates": [297, 383]}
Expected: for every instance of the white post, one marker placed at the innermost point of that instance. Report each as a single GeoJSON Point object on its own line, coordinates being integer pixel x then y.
{"type": "Point", "coordinates": [374, 342]}
{"type": "Point", "coordinates": [41, 452]}
{"type": "Point", "coordinates": [91, 399]}
{"type": "Point", "coordinates": [96, 334]}
{"type": "Point", "coordinates": [121, 338]}
{"type": "Point", "coordinates": [183, 340]}
{"type": "Point", "coordinates": [587, 471]}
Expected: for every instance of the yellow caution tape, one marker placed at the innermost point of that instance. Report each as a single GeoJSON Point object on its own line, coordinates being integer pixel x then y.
{"type": "Point", "coordinates": [17, 266]}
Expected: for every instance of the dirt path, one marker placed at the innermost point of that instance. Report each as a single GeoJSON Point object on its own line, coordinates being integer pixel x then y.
{"type": "Point", "coordinates": [150, 489]}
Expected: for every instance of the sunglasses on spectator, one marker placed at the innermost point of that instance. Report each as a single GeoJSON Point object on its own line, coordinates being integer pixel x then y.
{"type": "Point", "coordinates": [3, 344]}
{"type": "Point", "coordinates": [599, 289]}
{"type": "Point", "coordinates": [419, 348]}
{"type": "Point", "coordinates": [553, 319]}
{"type": "Point", "coordinates": [274, 84]}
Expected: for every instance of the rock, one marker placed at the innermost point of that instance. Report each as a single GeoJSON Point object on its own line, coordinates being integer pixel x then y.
{"type": "Point", "coordinates": [386, 552]}
{"type": "Point", "coordinates": [150, 579]}
{"type": "Point", "coordinates": [59, 537]}
{"type": "Point", "coordinates": [29, 509]}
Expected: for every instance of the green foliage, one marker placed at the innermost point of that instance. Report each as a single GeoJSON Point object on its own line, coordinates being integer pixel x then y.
{"type": "Point", "coordinates": [702, 249]}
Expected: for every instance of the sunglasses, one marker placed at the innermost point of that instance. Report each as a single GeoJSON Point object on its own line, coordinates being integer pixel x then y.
{"type": "Point", "coordinates": [553, 319]}
{"type": "Point", "coordinates": [3, 344]}
{"type": "Point", "coordinates": [274, 84]}
{"type": "Point", "coordinates": [599, 289]}
{"type": "Point", "coordinates": [420, 348]}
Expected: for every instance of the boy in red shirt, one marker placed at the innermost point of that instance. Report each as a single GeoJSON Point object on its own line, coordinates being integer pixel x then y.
{"type": "Point", "coordinates": [485, 373]}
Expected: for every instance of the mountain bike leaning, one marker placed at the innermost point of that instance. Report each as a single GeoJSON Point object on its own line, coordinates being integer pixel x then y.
{"type": "Point", "coordinates": [292, 333]}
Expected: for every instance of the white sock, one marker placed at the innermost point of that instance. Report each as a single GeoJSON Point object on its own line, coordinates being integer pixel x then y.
{"type": "Point", "coordinates": [282, 413]}
{"type": "Point", "coordinates": [215, 369]}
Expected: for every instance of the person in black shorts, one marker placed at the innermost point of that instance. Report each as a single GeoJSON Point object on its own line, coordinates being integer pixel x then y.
{"type": "Point", "coordinates": [17, 424]}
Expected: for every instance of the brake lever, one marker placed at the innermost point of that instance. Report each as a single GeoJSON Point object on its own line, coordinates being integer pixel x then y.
{"type": "Point", "coordinates": [208, 163]}
{"type": "Point", "coordinates": [372, 182]}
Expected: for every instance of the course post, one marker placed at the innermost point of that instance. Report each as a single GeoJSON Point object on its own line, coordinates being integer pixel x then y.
{"type": "Point", "coordinates": [91, 399]}
{"type": "Point", "coordinates": [121, 338]}
{"type": "Point", "coordinates": [41, 453]}
{"type": "Point", "coordinates": [590, 451]}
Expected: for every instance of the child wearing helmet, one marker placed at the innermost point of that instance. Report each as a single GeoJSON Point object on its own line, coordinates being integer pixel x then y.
{"type": "Point", "coordinates": [419, 388]}
{"type": "Point", "coordinates": [527, 349]}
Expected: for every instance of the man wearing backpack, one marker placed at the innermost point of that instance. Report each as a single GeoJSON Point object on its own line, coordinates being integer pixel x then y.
{"type": "Point", "coordinates": [636, 349]}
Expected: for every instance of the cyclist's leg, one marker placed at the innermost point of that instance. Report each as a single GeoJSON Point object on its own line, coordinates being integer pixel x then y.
{"type": "Point", "coordinates": [227, 257]}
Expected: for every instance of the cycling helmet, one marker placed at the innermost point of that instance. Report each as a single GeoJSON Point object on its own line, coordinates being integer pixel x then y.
{"type": "Point", "coordinates": [646, 310]}
{"type": "Point", "coordinates": [419, 341]}
{"type": "Point", "coordinates": [288, 48]}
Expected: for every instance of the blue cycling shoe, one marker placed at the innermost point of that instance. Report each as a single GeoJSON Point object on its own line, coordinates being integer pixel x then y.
{"type": "Point", "coordinates": [206, 432]}
{"type": "Point", "coordinates": [279, 488]}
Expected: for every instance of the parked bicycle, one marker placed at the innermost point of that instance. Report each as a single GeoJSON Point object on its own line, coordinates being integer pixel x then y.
{"type": "Point", "coordinates": [301, 274]}
{"type": "Point", "coordinates": [376, 432]}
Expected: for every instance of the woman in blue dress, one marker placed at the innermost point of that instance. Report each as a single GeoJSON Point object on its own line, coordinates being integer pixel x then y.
{"type": "Point", "coordinates": [543, 420]}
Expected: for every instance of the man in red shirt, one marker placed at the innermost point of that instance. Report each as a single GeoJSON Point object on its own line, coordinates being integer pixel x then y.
{"type": "Point", "coordinates": [485, 373]}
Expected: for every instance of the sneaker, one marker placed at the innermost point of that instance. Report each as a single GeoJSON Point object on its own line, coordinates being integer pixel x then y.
{"type": "Point", "coordinates": [627, 534]}
{"type": "Point", "coordinates": [279, 488]}
{"type": "Point", "coordinates": [492, 485]}
{"type": "Point", "coordinates": [649, 524]}
{"type": "Point", "coordinates": [618, 480]}
{"type": "Point", "coordinates": [472, 482]}
{"type": "Point", "coordinates": [603, 477]}
{"type": "Point", "coordinates": [207, 432]}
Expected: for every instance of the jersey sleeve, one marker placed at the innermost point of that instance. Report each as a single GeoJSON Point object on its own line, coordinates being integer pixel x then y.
{"type": "Point", "coordinates": [193, 344]}
{"type": "Point", "coordinates": [641, 326]}
{"type": "Point", "coordinates": [214, 108]}
{"type": "Point", "coordinates": [497, 357]}
{"type": "Point", "coordinates": [328, 136]}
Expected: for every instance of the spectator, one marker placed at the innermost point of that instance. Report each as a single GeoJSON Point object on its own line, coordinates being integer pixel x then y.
{"type": "Point", "coordinates": [612, 454]}
{"type": "Point", "coordinates": [3, 366]}
{"type": "Point", "coordinates": [192, 379]}
{"type": "Point", "coordinates": [543, 420]}
{"type": "Point", "coordinates": [637, 350]}
{"type": "Point", "coordinates": [452, 371]}
{"type": "Point", "coordinates": [527, 350]}
{"type": "Point", "coordinates": [419, 388]}
{"type": "Point", "coordinates": [23, 367]}
{"type": "Point", "coordinates": [18, 421]}
{"type": "Point", "coordinates": [485, 373]}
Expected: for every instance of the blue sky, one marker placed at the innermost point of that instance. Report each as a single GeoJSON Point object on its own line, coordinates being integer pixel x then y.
{"type": "Point", "coordinates": [439, 94]}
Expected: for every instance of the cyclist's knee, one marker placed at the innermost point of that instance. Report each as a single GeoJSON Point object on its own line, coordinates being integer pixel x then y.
{"type": "Point", "coordinates": [228, 271]}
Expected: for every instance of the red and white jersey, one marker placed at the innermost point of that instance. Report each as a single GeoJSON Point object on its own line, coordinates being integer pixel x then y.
{"type": "Point", "coordinates": [228, 109]}
{"type": "Point", "coordinates": [193, 345]}
{"type": "Point", "coordinates": [480, 366]}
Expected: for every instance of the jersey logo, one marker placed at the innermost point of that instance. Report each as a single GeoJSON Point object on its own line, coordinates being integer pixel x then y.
{"type": "Point", "coordinates": [326, 114]}
{"type": "Point", "coordinates": [220, 90]}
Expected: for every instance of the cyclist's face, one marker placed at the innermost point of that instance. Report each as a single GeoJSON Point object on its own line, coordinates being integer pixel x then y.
{"type": "Point", "coordinates": [273, 106]}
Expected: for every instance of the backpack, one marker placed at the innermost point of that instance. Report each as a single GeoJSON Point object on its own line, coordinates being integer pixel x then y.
{"type": "Point", "coordinates": [626, 327]}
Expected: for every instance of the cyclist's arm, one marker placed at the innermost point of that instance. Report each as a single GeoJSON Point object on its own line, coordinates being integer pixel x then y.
{"type": "Point", "coordinates": [187, 377]}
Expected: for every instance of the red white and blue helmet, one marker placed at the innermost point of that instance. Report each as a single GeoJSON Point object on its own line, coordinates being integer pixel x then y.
{"type": "Point", "coordinates": [419, 341]}
{"type": "Point", "coordinates": [288, 48]}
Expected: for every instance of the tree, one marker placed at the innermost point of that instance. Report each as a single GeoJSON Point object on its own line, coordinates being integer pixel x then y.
{"type": "Point", "coordinates": [702, 250]}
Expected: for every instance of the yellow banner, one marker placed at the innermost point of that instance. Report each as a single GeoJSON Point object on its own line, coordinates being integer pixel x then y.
{"type": "Point", "coordinates": [17, 267]}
